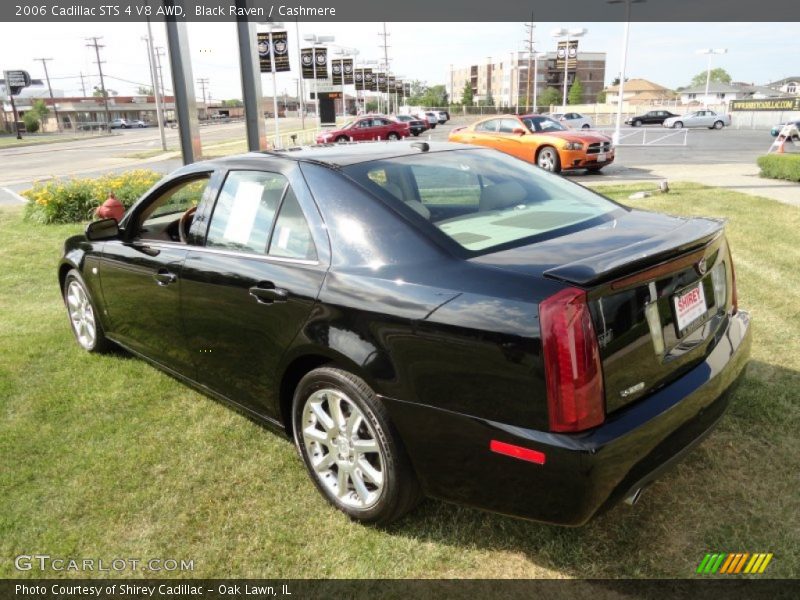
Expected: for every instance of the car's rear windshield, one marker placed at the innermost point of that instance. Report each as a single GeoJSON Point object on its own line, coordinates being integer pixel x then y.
{"type": "Point", "coordinates": [483, 199]}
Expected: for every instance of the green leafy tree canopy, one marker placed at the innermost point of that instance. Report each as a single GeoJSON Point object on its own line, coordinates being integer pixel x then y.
{"type": "Point", "coordinates": [719, 75]}
{"type": "Point", "coordinates": [467, 98]}
{"type": "Point", "coordinates": [549, 97]}
{"type": "Point", "coordinates": [575, 95]}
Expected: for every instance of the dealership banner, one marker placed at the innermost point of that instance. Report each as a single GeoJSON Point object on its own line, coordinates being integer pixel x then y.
{"type": "Point", "coordinates": [311, 56]}
{"type": "Point", "coordinates": [398, 87]}
{"type": "Point", "coordinates": [407, 90]}
{"type": "Point", "coordinates": [772, 104]}
{"type": "Point", "coordinates": [347, 71]}
{"type": "Point", "coordinates": [568, 50]}
{"type": "Point", "coordinates": [336, 71]}
{"type": "Point", "coordinates": [381, 82]}
{"type": "Point", "coordinates": [390, 83]}
{"type": "Point", "coordinates": [369, 80]}
{"type": "Point", "coordinates": [279, 41]}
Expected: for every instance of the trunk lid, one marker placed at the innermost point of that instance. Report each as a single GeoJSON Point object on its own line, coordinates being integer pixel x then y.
{"type": "Point", "coordinates": [658, 287]}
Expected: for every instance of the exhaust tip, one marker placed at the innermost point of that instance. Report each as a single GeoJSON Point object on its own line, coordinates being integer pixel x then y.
{"type": "Point", "coordinates": [634, 496]}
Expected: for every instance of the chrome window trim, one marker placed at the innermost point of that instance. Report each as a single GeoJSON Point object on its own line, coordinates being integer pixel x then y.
{"type": "Point", "coordinates": [232, 253]}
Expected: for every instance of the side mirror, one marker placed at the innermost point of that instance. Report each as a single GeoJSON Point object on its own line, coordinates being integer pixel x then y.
{"type": "Point", "coordinates": [518, 131]}
{"type": "Point", "coordinates": [105, 229]}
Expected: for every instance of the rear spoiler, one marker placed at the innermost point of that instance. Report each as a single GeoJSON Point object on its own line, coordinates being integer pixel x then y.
{"type": "Point", "coordinates": [692, 234]}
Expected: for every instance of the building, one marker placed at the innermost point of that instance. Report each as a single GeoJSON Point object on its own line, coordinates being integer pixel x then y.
{"type": "Point", "coordinates": [722, 93]}
{"type": "Point", "coordinates": [640, 91]}
{"type": "Point", "coordinates": [504, 83]}
{"type": "Point", "coordinates": [787, 85]}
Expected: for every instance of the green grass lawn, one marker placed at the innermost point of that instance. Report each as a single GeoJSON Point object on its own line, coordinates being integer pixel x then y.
{"type": "Point", "coordinates": [11, 141]}
{"type": "Point", "coordinates": [105, 457]}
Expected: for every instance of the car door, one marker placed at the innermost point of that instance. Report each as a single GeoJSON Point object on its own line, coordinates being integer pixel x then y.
{"type": "Point", "coordinates": [381, 128]}
{"type": "Point", "coordinates": [251, 286]}
{"type": "Point", "coordinates": [512, 143]}
{"type": "Point", "coordinates": [141, 273]}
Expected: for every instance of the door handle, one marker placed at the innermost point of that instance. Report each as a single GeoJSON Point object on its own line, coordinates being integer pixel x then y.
{"type": "Point", "coordinates": [164, 277]}
{"type": "Point", "coordinates": [265, 292]}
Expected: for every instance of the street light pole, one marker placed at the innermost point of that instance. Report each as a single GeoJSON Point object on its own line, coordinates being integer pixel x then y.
{"type": "Point", "coordinates": [709, 52]}
{"type": "Point", "coordinates": [621, 98]}
{"type": "Point", "coordinates": [536, 58]}
{"type": "Point", "coordinates": [154, 80]}
{"type": "Point", "coordinates": [566, 33]}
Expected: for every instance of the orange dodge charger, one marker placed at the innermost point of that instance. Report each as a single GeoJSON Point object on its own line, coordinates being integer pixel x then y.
{"type": "Point", "coordinates": [540, 140]}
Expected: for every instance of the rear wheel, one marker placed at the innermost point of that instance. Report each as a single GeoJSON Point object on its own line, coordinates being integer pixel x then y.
{"type": "Point", "coordinates": [586, 126]}
{"type": "Point", "coordinates": [677, 125]}
{"type": "Point", "coordinates": [392, 136]}
{"type": "Point", "coordinates": [718, 124]}
{"type": "Point", "coordinates": [83, 315]}
{"type": "Point", "coordinates": [548, 159]}
{"type": "Point", "coordinates": [350, 448]}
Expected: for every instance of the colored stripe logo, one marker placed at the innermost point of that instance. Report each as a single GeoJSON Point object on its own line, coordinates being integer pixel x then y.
{"type": "Point", "coordinates": [734, 563]}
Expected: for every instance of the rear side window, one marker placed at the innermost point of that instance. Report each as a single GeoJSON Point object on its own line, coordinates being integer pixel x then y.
{"type": "Point", "coordinates": [245, 209]}
{"type": "Point", "coordinates": [292, 235]}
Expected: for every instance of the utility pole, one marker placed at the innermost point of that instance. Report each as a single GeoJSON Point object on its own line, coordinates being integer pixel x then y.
{"type": "Point", "coordinates": [102, 81]}
{"type": "Point", "coordinates": [159, 53]}
{"type": "Point", "coordinates": [83, 85]}
{"type": "Point", "coordinates": [50, 90]}
{"type": "Point", "coordinates": [529, 43]}
{"type": "Point", "coordinates": [151, 58]}
{"type": "Point", "coordinates": [386, 47]}
{"type": "Point", "coordinates": [203, 82]}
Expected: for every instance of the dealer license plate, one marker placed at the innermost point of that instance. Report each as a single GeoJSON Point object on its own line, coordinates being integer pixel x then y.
{"type": "Point", "coordinates": [690, 305]}
{"type": "Point", "coordinates": [601, 157]}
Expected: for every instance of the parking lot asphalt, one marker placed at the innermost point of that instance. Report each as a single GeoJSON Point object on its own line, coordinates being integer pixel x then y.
{"type": "Point", "coordinates": [714, 157]}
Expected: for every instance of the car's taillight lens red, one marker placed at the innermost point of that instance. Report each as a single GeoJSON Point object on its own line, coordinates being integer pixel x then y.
{"type": "Point", "coordinates": [571, 362]}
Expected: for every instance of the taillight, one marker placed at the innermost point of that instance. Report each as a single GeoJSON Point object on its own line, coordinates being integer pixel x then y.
{"type": "Point", "coordinates": [734, 295]}
{"type": "Point", "coordinates": [571, 362]}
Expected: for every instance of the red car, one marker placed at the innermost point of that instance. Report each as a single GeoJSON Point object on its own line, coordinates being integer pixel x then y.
{"type": "Point", "coordinates": [364, 129]}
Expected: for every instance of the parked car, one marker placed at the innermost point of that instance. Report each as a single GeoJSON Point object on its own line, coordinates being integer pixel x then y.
{"type": "Point", "coordinates": [442, 117]}
{"type": "Point", "coordinates": [539, 140]}
{"type": "Point", "coordinates": [572, 120]}
{"type": "Point", "coordinates": [778, 128]}
{"type": "Point", "coordinates": [653, 117]}
{"type": "Point", "coordinates": [415, 126]}
{"type": "Point", "coordinates": [699, 118]}
{"type": "Point", "coordinates": [431, 117]}
{"type": "Point", "coordinates": [425, 318]}
{"type": "Point", "coordinates": [364, 129]}
{"type": "Point", "coordinates": [138, 123]}
{"type": "Point", "coordinates": [119, 124]}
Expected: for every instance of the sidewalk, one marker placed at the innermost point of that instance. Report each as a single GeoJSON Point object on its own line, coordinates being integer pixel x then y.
{"type": "Point", "coordinates": [737, 177]}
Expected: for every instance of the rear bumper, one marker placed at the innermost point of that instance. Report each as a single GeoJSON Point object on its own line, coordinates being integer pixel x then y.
{"type": "Point", "coordinates": [583, 473]}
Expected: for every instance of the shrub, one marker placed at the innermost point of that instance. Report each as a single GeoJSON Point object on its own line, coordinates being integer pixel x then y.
{"type": "Point", "coordinates": [780, 166]}
{"type": "Point", "coordinates": [74, 200]}
{"type": "Point", "coordinates": [31, 122]}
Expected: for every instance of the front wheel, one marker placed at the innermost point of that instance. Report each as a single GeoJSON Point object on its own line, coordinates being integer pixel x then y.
{"type": "Point", "coordinates": [350, 448]}
{"type": "Point", "coordinates": [677, 125]}
{"type": "Point", "coordinates": [342, 138]}
{"type": "Point", "coordinates": [83, 315]}
{"type": "Point", "coordinates": [548, 159]}
{"type": "Point", "coordinates": [416, 134]}
{"type": "Point", "coordinates": [718, 124]}
{"type": "Point", "coordinates": [637, 123]}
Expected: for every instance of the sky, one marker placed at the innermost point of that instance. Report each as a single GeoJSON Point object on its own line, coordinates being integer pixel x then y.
{"type": "Point", "coordinates": [664, 53]}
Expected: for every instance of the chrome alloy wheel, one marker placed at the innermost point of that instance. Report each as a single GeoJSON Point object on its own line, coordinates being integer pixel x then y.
{"type": "Point", "coordinates": [547, 159]}
{"type": "Point", "coordinates": [81, 315]}
{"type": "Point", "coordinates": [342, 449]}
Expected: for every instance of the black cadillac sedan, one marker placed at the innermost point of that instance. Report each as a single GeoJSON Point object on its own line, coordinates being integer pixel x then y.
{"type": "Point", "coordinates": [426, 319]}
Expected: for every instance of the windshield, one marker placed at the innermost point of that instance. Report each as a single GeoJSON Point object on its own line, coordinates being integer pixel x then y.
{"type": "Point", "coordinates": [537, 124]}
{"type": "Point", "coordinates": [347, 125]}
{"type": "Point", "coordinates": [483, 199]}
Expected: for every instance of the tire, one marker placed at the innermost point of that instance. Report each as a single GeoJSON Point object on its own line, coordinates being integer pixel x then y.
{"type": "Point", "coordinates": [594, 169]}
{"type": "Point", "coordinates": [416, 134]}
{"type": "Point", "coordinates": [378, 484]}
{"type": "Point", "coordinates": [718, 124]}
{"type": "Point", "coordinates": [677, 125]}
{"type": "Point", "coordinates": [392, 136]}
{"type": "Point", "coordinates": [82, 313]}
{"type": "Point", "coordinates": [586, 126]}
{"type": "Point", "coordinates": [637, 123]}
{"type": "Point", "coordinates": [547, 158]}
{"type": "Point", "coordinates": [342, 138]}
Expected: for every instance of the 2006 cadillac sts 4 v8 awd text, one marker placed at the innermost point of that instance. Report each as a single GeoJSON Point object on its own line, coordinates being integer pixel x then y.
{"type": "Point", "coordinates": [426, 319]}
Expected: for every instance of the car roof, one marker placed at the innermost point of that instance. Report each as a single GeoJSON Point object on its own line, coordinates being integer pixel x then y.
{"type": "Point", "coordinates": [338, 154]}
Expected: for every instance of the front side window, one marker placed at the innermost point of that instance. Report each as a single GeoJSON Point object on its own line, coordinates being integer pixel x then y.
{"type": "Point", "coordinates": [159, 220]}
{"type": "Point", "coordinates": [245, 209]}
{"type": "Point", "coordinates": [484, 200]}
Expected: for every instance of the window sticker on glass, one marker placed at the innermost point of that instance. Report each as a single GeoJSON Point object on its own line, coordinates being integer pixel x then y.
{"type": "Point", "coordinates": [243, 212]}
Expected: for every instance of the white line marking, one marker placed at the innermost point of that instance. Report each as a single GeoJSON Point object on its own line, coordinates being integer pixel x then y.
{"type": "Point", "coordinates": [15, 195]}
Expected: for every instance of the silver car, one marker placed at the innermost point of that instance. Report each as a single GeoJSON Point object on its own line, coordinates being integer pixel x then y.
{"type": "Point", "coordinates": [572, 120]}
{"type": "Point", "coordinates": [699, 118]}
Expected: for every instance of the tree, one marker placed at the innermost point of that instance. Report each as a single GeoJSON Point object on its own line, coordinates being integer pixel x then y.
{"type": "Point", "coordinates": [233, 102]}
{"type": "Point", "coordinates": [616, 81]}
{"type": "Point", "coordinates": [36, 115]}
{"type": "Point", "coordinates": [98, 93]}
{"type": "Point", "coordinates": [144, 91]}
{"type": "Point", "coordinates": [719, 75]}
{"type": "Point", "coordinates": [549, 97]}
{"type": "Point", "coordinates": [601, 97]}
{"type": "Point", "coordinates": [436, 95]}
{"type": "Point", "coordinates": [467, 99]}
{"type": "Point", "coordinates": [31, 122]}
{"type": "Point", "coordinates": [575, 95]}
